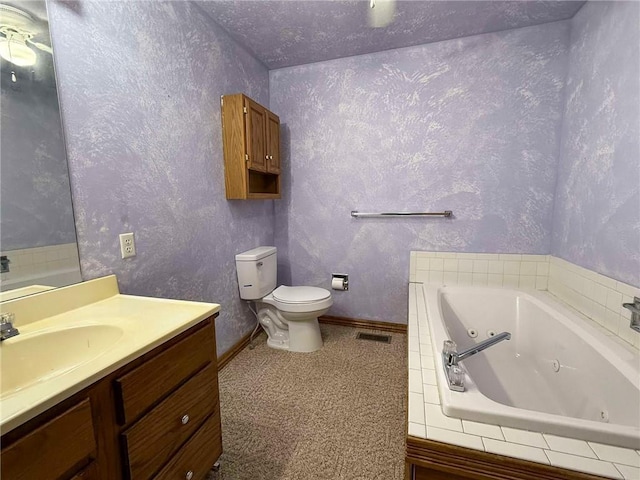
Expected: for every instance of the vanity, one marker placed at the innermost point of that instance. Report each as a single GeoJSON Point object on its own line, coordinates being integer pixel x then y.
{"type": "Point", "coordinates": [101, 385]}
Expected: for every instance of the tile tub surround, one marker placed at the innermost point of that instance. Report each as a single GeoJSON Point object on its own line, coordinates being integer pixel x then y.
{"type": "Point", "coordinates": [34, 263]}
{"type": "Point", "coordinates": [426, 419]}
{"type": "Point", "coordinates": [595, 297]}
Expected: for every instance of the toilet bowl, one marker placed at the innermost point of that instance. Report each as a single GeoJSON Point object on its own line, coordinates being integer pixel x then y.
{"type": "Point", "coordinates": [289, 315]}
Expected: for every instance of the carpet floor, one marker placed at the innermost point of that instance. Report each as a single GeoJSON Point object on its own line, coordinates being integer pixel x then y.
{"type": "Point", "coordinates": [338, 413]}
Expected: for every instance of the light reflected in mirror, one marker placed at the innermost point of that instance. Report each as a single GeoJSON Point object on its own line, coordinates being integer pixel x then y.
{"type": "Point", "coordinates": [37, 229]}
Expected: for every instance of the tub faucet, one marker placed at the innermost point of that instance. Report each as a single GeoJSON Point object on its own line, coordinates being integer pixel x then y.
{"type": "Point", "coordinates": [7, 330]}
{"type": "Point", "coordinates": [634, 308]}
{"type": "Point", "coordinates": [450, 359]}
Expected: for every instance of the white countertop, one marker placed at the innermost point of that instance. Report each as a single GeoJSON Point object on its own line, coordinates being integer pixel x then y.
{"type": "Point", "coordinates": [145, 323]}
{"type": "Point", "coordinates": [426, 419]}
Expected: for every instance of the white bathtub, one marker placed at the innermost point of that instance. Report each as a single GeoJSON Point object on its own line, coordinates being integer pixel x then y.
{"type": "Point", "coordinates": [594, 395]}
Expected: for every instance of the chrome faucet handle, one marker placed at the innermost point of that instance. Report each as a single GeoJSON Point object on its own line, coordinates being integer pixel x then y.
{"type": "Point", "coordinates": [7, 317]}
{"type": "Point", "coordinates": [634, 308]}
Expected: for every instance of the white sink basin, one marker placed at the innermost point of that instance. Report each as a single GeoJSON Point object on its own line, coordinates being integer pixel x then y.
{"type": "Point", "coordinates": [32, 358]}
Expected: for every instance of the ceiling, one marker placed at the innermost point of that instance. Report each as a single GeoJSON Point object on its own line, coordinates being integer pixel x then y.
{"type": "Point", "coordinates": [282, 33]}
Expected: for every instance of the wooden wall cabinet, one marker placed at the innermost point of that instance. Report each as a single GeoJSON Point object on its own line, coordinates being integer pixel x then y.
{"type": "Point", "coordinates": [251, 141]}
{"type": "Point", "coordinates": [156, 418]}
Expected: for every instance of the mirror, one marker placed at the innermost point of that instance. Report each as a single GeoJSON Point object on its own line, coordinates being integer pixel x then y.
{"type": "Point", "coordinates": [38, 244]}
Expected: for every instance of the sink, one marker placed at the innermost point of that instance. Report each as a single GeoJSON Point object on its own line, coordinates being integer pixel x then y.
{"type": "Point", "coordinates": [31, 358]}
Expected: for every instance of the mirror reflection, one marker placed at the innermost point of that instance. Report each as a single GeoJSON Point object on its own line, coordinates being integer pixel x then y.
{"type": "Point", "coordinates": [37, 230]}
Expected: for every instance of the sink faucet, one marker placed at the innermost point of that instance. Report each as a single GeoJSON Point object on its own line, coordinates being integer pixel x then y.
{"type": "Point", "coordinates": [450, 358]}
{"type": "Point", "coordinates": [7, 330]}
{"type": "Point", "coordinates": [635, 313]}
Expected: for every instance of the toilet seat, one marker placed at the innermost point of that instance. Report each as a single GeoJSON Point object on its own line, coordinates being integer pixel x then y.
{"type": "Point", "coordinates": [299, 299]}
{"type": "Point", "coordinates": [284, 294]}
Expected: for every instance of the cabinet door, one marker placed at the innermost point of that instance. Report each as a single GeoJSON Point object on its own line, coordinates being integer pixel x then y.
{"type": "Point", "coordinates": [256, 125]}
{"type": "Point", "coordinates": [273, 143]}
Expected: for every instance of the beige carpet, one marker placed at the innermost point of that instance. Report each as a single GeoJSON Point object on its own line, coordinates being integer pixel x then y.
{"type": "Point", "coordinates": [338, 413]}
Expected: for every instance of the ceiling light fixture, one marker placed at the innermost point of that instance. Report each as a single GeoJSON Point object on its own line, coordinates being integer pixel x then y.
{"type": "Point", "coordinates": [381, 12]}
{"type": "Point", "coordinates": [14, 48]}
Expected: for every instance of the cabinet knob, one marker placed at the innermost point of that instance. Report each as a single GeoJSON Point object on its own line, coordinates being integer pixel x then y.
{"type": "Point", "coordinates": [185, 419]}
{"type": "Point", "coordinates": [270, 157]}
{"type": "Point", "coordinates": [189, 475]}
{"type": "Point", "coordinates": [266, 157]}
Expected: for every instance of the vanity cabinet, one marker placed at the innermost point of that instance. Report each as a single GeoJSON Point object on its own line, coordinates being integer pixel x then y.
{"type": "Point", "coordinates": [251, 143]}
{"type": "Point", "coordinates": [156, 418]}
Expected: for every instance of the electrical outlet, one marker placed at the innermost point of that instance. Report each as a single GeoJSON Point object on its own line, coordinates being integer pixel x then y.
{"type": "Point", "coordinates": [127, 245]}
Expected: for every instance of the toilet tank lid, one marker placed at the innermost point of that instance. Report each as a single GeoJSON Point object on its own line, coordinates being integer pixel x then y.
{"type": "Point", "coordinates": [255, 254]}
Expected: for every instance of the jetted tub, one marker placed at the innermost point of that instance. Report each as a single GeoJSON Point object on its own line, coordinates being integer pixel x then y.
{"type": "Point", "coordinates": [556, 375]}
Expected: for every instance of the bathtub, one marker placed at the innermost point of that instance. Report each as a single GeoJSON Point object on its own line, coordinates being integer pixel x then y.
{"type": "Point", "coordinates": [556, 375]}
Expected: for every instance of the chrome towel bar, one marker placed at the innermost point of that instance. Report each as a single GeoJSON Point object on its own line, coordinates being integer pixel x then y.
{"type": "Point", "coordinates": [357, 214]}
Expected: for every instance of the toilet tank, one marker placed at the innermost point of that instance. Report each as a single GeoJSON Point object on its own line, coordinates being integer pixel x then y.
{"type": "Point", "coordinates": [257, 272]}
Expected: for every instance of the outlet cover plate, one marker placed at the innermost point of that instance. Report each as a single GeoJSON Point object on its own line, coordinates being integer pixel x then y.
{"type": "Point", "coordinates": [127, 245]}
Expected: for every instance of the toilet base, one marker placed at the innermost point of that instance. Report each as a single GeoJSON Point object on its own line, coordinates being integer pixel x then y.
{"type": "Point", "coordinates": [295, 336]}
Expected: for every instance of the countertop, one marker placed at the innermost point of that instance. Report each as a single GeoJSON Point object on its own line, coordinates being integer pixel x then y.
{"type": "Point", "coordinates": [144, 323]}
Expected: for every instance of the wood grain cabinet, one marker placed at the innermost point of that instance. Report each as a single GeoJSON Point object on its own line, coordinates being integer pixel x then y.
{"type": "Point", "coordinates": [251, 141]}
{"type": "Point", "coordinates": [155, 418]}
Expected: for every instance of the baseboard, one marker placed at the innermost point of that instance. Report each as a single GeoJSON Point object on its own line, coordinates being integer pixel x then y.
{"type": "Point", "coordinates": [360, 323]}
{"type": "Point", "coordinates": [227, 356]}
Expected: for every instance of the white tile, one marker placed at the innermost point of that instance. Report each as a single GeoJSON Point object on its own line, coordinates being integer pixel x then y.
{"type": "Point", "coordinates": [542, 268]}
{"type": "Point", "coordinates": [416, 430]}
{"type": "Point", "coordinates": [600, 294]}
{"type": "Point", "coordinates": [582, 464]}
{"type": "Point", "coordinates": [436, 276]}
{"type": "Point", "coordinates": [511, 281]}
{"type": "Point", "coordinates": [609, 453]}
{"type": "Point", "coordinates": [465, 278]}
{"type": "Point", "coordinates": [510, 257]}
{"type": "Point", "coordinates": [629, 473]}
{"type": "Point", "coordinates": [431, 395]}
{"type": "Point", "coordinates": [496, 266]}
{"type": "Point", "coordinates": [414, 346]}
{"type": "Point", "coordinates": [627, 289]}
{"type": "Point", "coordinates": [414, 360]}
{"type": "Point", "coordinates": [527, 281]}
{"type": "Point", "coordinates": [422, 276]}
{"type": "Point", "coordinates": [450, 278]}
{"type": "Point", "coordinates": [541, 282]}
{"type": "Point", "coordinates": [450, 265]}
{"type": "Point", "coordinates": [569, 445]}
{"type": "Point", "coordinates": [415, 381]}
{"type": "Point", "coordinates": [515, 450]}
{"type": "Point", "coordinates": [435, 418]}
{"type": "Point", "coordinates": [528, 268]}
{"type": "Point", "coordinates": [480, 266]}
{"type": "Point", "coordinates": [425, 348]}
{"type": "Point", "coordinates": [486, 256]}
{"type": "Point", "coordinates": [416, 408]}
{"type": "Point", "coordinates": [429, 377]}
{"type": "Point", "coordinates": [479, 278]}
{"type": "Point", "coordinates": [427, 362]}
{"type": "Point", "coordinates": [614, 300]}
{"type": "Point", "coordinates": [494, 279]}
{"type": "Point", "coordinates": [422, 264]}
{"type": "Point", "coordinates": [436, 264]}
{"type": "Point", "coordinates": [482, 429]}
{"type": "Point", "coordinates": [532, 258]}
{"type": "Point", "coordinates": [512, 268]}
{"type": "Point", "coordinates": [465, 266]}
{"type": "Point", "coordinates": [524, 437]}
{"type": "Point", "coordinates": [454, 438]}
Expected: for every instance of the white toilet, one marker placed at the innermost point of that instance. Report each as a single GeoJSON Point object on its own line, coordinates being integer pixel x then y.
{"type": "Point", "coordinates": [289, 315]}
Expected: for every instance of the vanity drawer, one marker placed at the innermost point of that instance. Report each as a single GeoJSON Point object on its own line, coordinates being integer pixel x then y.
{"type": "Point", "coordinates": [160, 433]}
{"type": "Point", "coordinates": [53, 449]}
{"type": "Point", "coordinates": [153, 380]}
{"type": "Point", "coordinates": [198, 455]}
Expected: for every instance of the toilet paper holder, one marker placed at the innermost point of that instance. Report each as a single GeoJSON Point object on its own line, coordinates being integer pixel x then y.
{"type": "Point", "coordinates": [340, 281]}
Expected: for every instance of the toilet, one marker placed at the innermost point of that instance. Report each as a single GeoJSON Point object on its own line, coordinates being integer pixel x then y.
{"type": "Point", "coordinates": [289, 315]}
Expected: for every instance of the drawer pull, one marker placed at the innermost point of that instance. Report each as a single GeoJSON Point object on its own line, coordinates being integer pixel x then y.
{"type": "Point", "coordinates": [185, 419]}
{"type": "Point", "coordinates": [189, 475]}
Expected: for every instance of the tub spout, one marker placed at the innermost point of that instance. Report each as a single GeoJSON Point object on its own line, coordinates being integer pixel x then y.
{"type": "Point", "coordinates": [450, 359]}
{"type": "Point", "coordinates": [634, 308]}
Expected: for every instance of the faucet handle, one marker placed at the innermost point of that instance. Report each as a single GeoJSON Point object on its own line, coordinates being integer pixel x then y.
{"type": "Point", "coordinates": [7, 318]}
{"type": "Point", "coordinates": [449, 346]}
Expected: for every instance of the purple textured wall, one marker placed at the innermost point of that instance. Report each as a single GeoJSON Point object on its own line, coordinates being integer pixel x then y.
{"type": "Point", "coordinates": [471, 125]}
{"type": "Point", "coordinates": [140, 86]}
{"type": "Point", "coordinates": [597, 207]}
